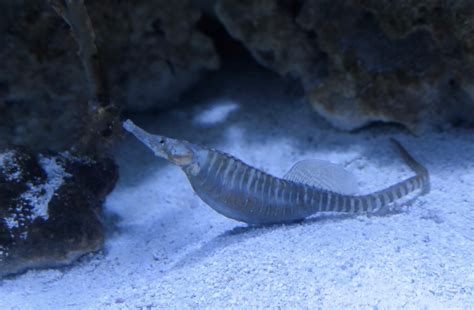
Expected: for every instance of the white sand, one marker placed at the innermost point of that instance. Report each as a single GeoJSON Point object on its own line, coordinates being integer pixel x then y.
{"type": "Point", "coordinates": [171, 250]}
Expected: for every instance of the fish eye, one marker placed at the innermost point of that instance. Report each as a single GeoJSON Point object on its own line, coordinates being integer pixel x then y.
{"type": "Point", "coordinates": [162, 142]}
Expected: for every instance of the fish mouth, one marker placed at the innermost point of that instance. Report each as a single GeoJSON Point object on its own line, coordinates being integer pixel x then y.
{"type": "Point", "coordinates": [155, 143]}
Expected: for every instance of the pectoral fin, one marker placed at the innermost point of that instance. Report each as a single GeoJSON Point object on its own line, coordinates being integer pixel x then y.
{"type": "Point", "coordinates": [324, 175]}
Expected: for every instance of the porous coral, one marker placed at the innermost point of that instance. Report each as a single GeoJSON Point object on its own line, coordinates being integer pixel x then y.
{"type": "Point", "coordinates": [49, 207]}
{"type": "Point", "coordinates": [408, 62]}
{"type": "Point", "coordinates": [373, 77]}
{"type": "Point", "coordinates": [268, 31]}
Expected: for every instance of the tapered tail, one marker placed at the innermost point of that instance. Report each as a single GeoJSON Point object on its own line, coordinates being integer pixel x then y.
{"type": "Point", "coordinates": [381, 199]}
{"type": "Point", "coordinates": [418, 168]}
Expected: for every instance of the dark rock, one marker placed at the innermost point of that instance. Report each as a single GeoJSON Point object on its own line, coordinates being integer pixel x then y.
{"type": "Point", "coordinates": [152, 52]}
{"type": "Point", "coordinates": [49, 208]}
{"type": "Point", "coordinates": [392, 71]}
{"type": "Point", "coordinates": [409, 62]}
{"type": "Point", "coordinates": [268, 30]}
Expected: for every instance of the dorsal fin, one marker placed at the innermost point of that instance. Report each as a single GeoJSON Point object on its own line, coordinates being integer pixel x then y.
{"type": "Point", "coordinates": [323, 174]}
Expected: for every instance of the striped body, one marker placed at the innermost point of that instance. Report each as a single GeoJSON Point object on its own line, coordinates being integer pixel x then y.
{"type": "Point", "coordinates": [247, 194]}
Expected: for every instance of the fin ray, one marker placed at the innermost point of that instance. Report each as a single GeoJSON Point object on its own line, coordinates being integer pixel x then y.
{"type": "Point", "coordinates": [323, 174]}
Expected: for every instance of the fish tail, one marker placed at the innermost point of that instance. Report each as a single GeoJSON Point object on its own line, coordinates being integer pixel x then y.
{"type": "Point", "coordinates": [418, 168]}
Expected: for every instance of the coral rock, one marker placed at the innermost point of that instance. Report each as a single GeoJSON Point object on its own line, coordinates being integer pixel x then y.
{"type": "Point", "coordinates": [267, 29]}
{"type": "Point", "coordinates": [152, 51]}
{"type": "Point", "coordinates": [403, 71]}
{"type": "Point", "coordinates": [409, 62]}
{"type": "Point", "coordinates": [49, 207]}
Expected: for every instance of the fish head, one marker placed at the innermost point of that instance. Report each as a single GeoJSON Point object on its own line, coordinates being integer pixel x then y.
{"type": "Point", "coordinates": [176, 151]}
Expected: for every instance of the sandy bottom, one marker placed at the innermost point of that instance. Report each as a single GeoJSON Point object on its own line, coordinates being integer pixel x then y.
{"type": "Point", "coordinates": [169, 249]}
